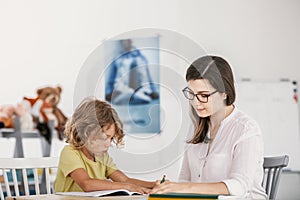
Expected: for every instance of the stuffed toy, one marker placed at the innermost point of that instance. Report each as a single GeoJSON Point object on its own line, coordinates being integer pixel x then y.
{"type": "Point", "coordinates": [8, 112]}
{"type": "Point", "coordinates": [44, 108]}
{"type": "Point", "coordinates": [6, 116]}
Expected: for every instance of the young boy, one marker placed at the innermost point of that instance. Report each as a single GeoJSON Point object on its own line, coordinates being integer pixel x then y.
{"type": "Point", "coordinates": [85, 164]}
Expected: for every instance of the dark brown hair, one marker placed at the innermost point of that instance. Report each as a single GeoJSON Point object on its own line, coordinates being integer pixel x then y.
{"type": "Point", "coordinates": [92, 114]}
{"type": "Point", "coordinates": [219, 74]}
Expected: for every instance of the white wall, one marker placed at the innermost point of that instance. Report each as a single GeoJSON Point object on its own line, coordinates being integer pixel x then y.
{"type": "Point", "coordinates": [47, 42]}
{"type": "Point", "coordinates": [259, 38]}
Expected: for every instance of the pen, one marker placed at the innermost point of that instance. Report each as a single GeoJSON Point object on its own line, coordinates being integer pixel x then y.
{"type": "Point", "coordinates": [163, 179]}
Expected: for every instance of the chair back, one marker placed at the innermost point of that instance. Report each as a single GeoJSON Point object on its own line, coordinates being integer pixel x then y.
{"type": "Point", "coordinates": [273, 169]}
{"type": "Point", "coordinates": [16, 174]}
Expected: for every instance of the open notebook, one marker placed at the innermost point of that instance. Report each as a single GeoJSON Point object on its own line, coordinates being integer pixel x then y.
{"type": "Point", "coordinates": [100, 193]}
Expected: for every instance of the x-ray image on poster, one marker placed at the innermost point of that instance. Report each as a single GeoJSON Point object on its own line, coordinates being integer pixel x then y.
{"type": "Point", "coordinates": [131, 82]}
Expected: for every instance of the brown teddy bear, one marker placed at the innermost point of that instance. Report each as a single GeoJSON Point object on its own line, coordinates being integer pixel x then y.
{"type": "Point", "coordinates": [44, 108]}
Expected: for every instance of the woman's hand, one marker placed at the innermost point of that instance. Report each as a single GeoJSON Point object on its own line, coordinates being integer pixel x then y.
{"type": "Point", "coordinates": [167, 187]}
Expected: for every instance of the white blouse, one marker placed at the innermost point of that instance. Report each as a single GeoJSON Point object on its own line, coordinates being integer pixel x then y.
{"type": "Point", "coordinates": [235, 157]}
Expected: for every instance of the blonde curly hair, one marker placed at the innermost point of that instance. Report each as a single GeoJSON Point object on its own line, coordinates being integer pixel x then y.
{"type": "Point", "coordinates": [92, 114]}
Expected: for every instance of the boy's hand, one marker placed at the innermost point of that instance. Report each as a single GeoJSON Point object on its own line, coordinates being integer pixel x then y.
{"type": "Point", "coordinates": [136, 188]}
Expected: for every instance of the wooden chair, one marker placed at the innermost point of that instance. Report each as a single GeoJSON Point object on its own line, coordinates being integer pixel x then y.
{"type": "Point", "coordinates": [22, 165]}
{"type": "Point", "coordinates": [273, 169]}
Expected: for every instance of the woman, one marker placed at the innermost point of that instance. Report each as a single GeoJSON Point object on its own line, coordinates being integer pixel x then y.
{"type": "Point", "coordinates": [225, 154]}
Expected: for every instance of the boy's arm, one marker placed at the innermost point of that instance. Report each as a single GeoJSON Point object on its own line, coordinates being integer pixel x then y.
{"type": "Point", "coordinates": [119, 176]}
{"type": "Point", "coordinates": [88, 184]}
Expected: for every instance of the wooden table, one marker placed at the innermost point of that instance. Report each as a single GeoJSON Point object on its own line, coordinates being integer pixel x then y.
{"type": "Point", "coordinates": [62, 197]}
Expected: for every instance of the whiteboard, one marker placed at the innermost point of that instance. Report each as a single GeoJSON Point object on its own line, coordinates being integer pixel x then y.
{"type": "Point", "coordinates": [272, 105]}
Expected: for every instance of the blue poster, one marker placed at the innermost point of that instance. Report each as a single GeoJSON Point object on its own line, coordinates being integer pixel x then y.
{"type": "Point", "coordinates": [132, 82]}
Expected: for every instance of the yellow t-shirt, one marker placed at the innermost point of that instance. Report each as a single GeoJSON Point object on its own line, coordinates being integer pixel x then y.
{"type": "Point", "coordinates": [71, 159]}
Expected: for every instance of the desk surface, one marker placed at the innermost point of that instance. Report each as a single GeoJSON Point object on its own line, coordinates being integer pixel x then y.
{"type": "Point", "coordinates": [62, 197]}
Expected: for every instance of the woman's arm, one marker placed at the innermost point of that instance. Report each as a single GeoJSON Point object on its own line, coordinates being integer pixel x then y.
{"type": "Point", "coordinates": [201, 188]}
{"type": "Point", "coordinates": [246, 169]}
{"type": "Point", "coordinates": [119, 176]}
{"type": "Point", "coordinates": [88, 184]}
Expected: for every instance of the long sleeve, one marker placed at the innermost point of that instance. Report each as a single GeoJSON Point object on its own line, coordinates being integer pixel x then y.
{"type": "Point", "coordinates": [246, 165]}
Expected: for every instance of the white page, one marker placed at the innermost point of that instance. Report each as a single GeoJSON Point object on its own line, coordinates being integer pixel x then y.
{"type": "Point", "coordinates": [97, 193]}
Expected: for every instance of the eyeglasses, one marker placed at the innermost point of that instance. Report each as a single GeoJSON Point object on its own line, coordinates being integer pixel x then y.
{"type": "Point", "coordinates": [203, 98]}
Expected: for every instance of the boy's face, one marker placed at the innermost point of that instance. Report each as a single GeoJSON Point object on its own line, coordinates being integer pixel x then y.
{"type": "Point", "coordinates": [99, 142]}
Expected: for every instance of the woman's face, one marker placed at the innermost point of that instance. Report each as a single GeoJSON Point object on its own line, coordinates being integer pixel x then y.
{"type": "Point", "coordinates": [99, 142]}
{"type": "Point", "coordinates": [215, 102]}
